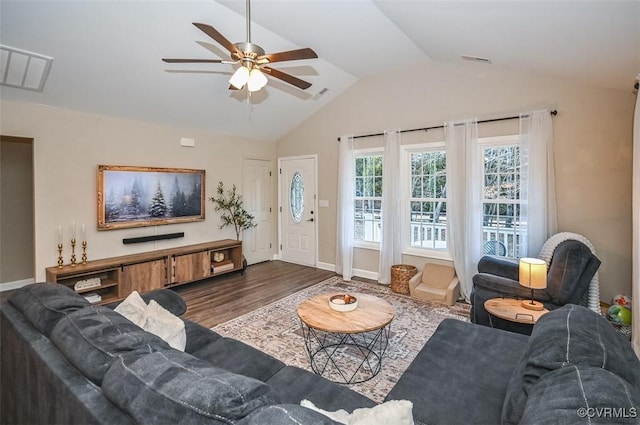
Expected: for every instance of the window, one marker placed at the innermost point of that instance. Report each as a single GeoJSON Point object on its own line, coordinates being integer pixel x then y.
{"type": "Point", "coordinates": [427, 199]}
{"type": "Point", "coordinates": [501, 196]}
{"type": "Point", "coordinates": [368, 197]}
{"type": "Point", "coordinates": [297, 197]}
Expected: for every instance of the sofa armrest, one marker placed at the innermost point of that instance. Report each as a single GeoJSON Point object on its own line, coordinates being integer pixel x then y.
{"type": "Point", "coordinates": [499, 266]}
{"type": "Point", "coordinates": [453, 291]}
{"type": "Point", "coordinates": [168, 299]}
{"type": "Point", "coordinates": [415, 281]}
{"type": "Point", "coordinates": [454, 283]}
{"type": "Point", "coordinates": [165, 297]}
{"type": "Point", "coordinates": [502, 286]}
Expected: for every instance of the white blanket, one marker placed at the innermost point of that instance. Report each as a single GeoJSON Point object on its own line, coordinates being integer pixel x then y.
{"type": "Point", "coordinates": [396, 412]}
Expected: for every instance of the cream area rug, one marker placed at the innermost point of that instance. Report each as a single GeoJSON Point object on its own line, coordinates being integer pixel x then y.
{"type": "Point", "coordinates": [276, 329]}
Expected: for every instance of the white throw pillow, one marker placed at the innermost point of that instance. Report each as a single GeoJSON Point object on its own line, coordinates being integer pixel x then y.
{"type": "Point", "coordinates": [396, 412]}
{"type": "Point", "coordinates": [133, 308]}
{"type": "Point", "coordinates": [159, 321]}
{"type": "Point", "coordinates": [154, 319]}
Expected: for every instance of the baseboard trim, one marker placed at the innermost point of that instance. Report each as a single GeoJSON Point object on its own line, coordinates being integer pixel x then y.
{"type": "Point", "coordinates": [366, 274]}
{"type": "Point", "coordinates": [326, 266]}
{"type": "Point", "coordinates": [356, 272]}
{"type": "Point", "coordinates": [9, 286]}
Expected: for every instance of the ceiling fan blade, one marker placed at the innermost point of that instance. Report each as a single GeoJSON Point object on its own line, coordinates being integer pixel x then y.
{"type": "Point", "coordinates": [193, 60]}
{"type": "Point", "coordinates": [221, 39]}
{"type": "Point", "coordinates": [286, 77]}
{"type": "Point", "coordinates": [289, 55]}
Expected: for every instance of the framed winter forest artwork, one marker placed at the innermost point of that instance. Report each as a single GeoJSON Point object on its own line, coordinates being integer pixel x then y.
{"type": "Point", "coordinates": [145, 196]}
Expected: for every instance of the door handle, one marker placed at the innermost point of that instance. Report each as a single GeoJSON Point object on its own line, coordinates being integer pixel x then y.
{"type": "Point", "coordinates": [311, 219]}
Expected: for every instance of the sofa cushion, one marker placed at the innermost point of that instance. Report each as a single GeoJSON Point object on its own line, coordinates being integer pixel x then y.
{"type": "Point", "coordinates": [44, 304]}
{"type": "Point", "coordinates": [198, 336]}
{"type": "Point", "coordinates": [173, 387]}
{"type": "Point", "coordinates": [570, 335]}
{"type": "Point", "coordinates": [577, 394]}
{"type": "Point", "coordinates": [94, 337]}
{"type": "Point", "coordinates": [293, 385]}
{"type": "Point", "coordinates": [238, 357]}
{"type": "Point", "coordinates": [461, 374]}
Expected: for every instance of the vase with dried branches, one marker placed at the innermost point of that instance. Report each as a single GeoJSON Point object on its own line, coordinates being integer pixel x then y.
{"type": "Point", "coordinates": [232, 210]}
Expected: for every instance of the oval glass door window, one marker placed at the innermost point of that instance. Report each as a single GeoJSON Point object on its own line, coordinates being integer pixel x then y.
{"type": "Point", "coordinates": [297, 197]}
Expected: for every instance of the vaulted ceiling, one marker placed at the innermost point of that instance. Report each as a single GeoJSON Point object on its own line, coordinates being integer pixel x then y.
{"type": "Point", "coordinates": [107, 54]}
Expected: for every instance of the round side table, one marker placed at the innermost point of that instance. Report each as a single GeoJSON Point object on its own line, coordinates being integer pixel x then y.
{"type": "Point", "coordinates": [511, 310]}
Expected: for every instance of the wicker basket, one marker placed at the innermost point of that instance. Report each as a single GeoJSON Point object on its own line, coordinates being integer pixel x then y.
{"type": "Point", "coordinates": [401, 274]}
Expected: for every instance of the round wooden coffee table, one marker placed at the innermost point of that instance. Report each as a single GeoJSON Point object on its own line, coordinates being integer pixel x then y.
{"type": "Point", "coordinates": [346, 347]}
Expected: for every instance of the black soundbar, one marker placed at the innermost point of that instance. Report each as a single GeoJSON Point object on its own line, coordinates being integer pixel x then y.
{"type": "Point", "coordinates": [127, 241]}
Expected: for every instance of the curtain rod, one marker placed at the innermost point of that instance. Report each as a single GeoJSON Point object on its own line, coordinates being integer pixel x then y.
{"type": "Point", "coordinates": [553, 113]}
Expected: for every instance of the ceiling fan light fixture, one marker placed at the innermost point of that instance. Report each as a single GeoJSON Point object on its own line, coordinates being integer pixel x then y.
{"type": "Point", "coordinates": [257, 80]}
{"type": "Point", "coordinates": [240, 77]}
{"type": "Point", "coordinates": [251, 57]}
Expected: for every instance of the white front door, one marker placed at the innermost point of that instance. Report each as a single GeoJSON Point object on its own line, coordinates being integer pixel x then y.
{"type": "Point", "coordinates": [298, 217]}
{"type": "Point", "coordinates": [256, 242]}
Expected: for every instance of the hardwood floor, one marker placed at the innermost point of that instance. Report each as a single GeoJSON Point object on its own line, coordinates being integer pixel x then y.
{"type": "Point", "coordinates": [217, 300]}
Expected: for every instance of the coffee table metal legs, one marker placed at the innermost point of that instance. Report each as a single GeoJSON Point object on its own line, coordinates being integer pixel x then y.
{"type": "Point", "coordinates": [346, 358]}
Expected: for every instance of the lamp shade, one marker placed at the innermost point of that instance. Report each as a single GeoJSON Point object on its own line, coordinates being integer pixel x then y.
{"type": "Point", "coordinates": [239, 78]}
{"type": "Point", "coordinates": [257, 80]}
{"type": "Point", "coordinates": [533, 273]}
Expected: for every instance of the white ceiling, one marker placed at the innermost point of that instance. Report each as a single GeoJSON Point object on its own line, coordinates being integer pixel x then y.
{"type": "Point", "coordinates": [107, 53]}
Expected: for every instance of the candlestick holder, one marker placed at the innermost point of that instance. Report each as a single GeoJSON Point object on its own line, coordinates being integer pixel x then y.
{"type": "Point", "coordinates": [84, 252]}
{"type": "Point", "coordinates": [60, 260]}
{"type": "Point", "coordinates": [73, 251]}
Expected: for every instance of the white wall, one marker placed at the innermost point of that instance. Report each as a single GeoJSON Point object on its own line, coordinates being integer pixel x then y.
{"type": "Point", "coordinates": [69, 145]}
{"type": "Point", "coordinates": [592, 133]}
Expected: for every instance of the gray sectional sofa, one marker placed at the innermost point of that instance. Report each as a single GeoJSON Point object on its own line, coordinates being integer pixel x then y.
{"type": "Point", "coordinates": [64, 361]}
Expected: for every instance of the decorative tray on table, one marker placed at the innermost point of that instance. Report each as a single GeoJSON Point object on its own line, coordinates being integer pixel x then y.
{"type": "Point", "coordinates": [343, 302]}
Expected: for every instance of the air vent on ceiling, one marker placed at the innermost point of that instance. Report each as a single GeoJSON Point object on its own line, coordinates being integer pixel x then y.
{"type": "Point", "coordinates": [24, 70]}
{"type": "Point", "coordinates": [319, 94]}
{"type": "Point", "coordinates": [475, 59]}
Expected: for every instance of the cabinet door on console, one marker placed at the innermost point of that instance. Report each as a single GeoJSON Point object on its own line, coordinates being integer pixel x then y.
{"type": "Point", "coordinates": [143, 277]}
{"type": "Point", "coordinates": [190, 267]}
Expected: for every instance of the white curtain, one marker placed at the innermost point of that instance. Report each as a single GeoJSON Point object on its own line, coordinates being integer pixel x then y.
{"type": "Point", "coordinates": [538, 216]}
{"type": "Point", "coordinates": [344, 207]}
{"type": "Point", "coordinates": [464, 203]}
{"type": "Point", "coordinates": [391, 237]}
{"type": "Point", "coordinates": [635, 251]}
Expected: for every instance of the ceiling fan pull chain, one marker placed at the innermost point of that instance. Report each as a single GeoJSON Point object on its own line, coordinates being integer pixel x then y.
{"type": "Point", "coordinates": [249, 107]}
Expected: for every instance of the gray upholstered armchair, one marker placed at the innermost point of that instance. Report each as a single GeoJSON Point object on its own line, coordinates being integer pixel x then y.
{"type": "Point", "coordinates": [569, 274]}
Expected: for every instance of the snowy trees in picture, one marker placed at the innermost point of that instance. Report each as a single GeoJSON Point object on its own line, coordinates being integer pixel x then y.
{"type": "Point", "coordinates": [144, 196]}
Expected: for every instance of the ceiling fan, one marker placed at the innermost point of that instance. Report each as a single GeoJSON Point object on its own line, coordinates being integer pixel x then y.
{"type": "Point", "coordinates": [252, 59]}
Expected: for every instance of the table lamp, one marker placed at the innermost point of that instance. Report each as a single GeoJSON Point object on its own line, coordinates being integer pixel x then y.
{"type": "Point", "coordinates": [533, 275]}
